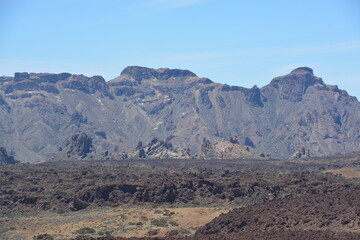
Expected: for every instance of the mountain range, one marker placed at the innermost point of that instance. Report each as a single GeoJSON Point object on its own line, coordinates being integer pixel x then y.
{"type": "Point", "coordinates": [40, 112]}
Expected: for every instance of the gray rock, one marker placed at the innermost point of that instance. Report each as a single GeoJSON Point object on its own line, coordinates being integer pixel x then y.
{"type": "Point", "coordinates": [5, 158]}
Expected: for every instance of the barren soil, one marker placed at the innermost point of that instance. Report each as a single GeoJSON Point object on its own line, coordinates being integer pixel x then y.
{"type": "Point", "coordinates": [119, 221]}
{"type": "Point", "coordinates": [345, 172]}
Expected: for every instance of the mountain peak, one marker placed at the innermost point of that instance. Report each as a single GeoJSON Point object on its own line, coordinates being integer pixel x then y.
{"type": "Point", "coordinates": [140, 73]}
{"type": "Point", "coordinates": [294, 85]}
{"type": "Point", "coordinates": [302, 70]}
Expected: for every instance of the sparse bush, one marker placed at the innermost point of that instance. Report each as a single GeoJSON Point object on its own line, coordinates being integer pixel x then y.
{"type": "Point", "coordinates": [82, 237]}
{"type": "Point", "coordinates": [168, 213]}
{"type": "Point", "coordinates": [184, 232]}
{"type": "Point", "coordinates": [153, 232]}
{"type": "Point", "coordinates": [137, 223]}
{"type": "Point", "coordinates": [86, 230]}
{"type": "Point", "coordinates": [43, 237]}
{"type": "Point", "coordinates": [104, 233]}
{"type": "Point", "coordinates": [159, 222]}
{"type": "Point", "coordinates": [173, 223]}
{"type": "Point", "coordinates": [196, 203]}
{"type": "Point", "coordinates": [60, 211]}
{"type": "Point", "coordinates": [195, 228]}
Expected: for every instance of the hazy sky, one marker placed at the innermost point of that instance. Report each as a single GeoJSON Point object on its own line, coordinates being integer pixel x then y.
{"type": "Point", "coordinates": [229, 41]}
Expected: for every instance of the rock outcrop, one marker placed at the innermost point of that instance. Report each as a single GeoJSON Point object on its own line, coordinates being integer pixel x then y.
{"type": "Point", "coordinates": [88, 85]}
{"type": "Point", "coordinates": [302, 153]}
{"type": "Point", "coordinates": [80, 145]}
{"type": "Point", "coordinates": [294, 85]}
{"type": "Point", "coordinates": [158, 149]}
{"type": "Point", "coordinates": [5, 158]}
{"type": "Point", "coordinates": [78, 148]}
{"type": "Point", "coordinates": [231, 149]}
{"type": "Point", "coordinates": [139, 73]}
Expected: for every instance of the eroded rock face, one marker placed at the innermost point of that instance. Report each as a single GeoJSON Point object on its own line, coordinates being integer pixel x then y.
{"type": "Point", "coordinates": [23, 75]}
{"type": "Point", "coordinates": [302, 153]}
{"type": "Point", "coordinates": [35, 82]}
{"type": "Point", "coordinates": [254, 97]}
{"type": "Point", "coordinates": [88, 85]}
{"type": "Point", "coordinates": [80, 145]}
{"type": "Point", "coordinates": [48, 82]}
{"type": "Point", "coordinates": [49, 77]}
{"type": "Point", "coordinates": [294, 85]}
{"type": "Point", "coordinates": [231, 149]}
{"type": "Point", "coordinates": [4, 104]}
{"type": "Point", "coordinates": [30, 85]}
{"type": "Point", "coordinates": [5, 158]}
{"type": "Point", "coordinates": [160, 150]}
{"type": "Point", "coordinates": [81, 148]}
{"type": "Point", "coordinates": [140, 73]}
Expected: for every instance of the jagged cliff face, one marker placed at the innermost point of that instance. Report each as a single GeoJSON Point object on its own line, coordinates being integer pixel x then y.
{"type": "Point", "coordinates": [158, 149]}
{"type": "Point", "coordinates": [39, 112]}
{"type": "Point", "coordinates": [225, 149]}
{"type": "Point", "coordinates": [5, 158]}
{"type": "Point", "coordinates": [308, 113]}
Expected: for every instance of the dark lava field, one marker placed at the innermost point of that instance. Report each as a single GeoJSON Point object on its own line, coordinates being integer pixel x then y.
{"type": "Point", "coordinates": [315, 198]}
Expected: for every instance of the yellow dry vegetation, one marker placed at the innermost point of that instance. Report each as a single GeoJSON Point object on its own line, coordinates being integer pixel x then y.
{"type": "Point", "coordinates": [345, 172]}
{"type": "Point", "coordinates": [121, 221]}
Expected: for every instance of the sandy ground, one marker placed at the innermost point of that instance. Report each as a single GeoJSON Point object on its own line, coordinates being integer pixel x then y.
{"type": "Point", "coordinates": [345, 172]}
{"type": "Point", "coordinates": [120, 221]}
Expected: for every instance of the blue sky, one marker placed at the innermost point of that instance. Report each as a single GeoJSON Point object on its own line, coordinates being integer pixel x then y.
{"type": "Point", "coordinates": [236, 42]}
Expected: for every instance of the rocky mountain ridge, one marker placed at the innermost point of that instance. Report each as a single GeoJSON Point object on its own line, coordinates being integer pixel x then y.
{"type": "Point", "coordinates": [39, 112]}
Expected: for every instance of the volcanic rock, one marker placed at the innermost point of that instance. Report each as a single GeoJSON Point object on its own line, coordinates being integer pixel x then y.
{"type": "Point", "coordinates": [79, 145]}
{"type": "Point", "coordinates": [302, 153]}
{"type": "Point", "coordinates": [5, 158]}
{"type": "Point", "coordinates": [224, 149]}
{"type": "Point", "coordinates": [294, 85]}
{"type": "Point", "coordinates": [160, 150]}
{"type": "Point", "coordinates": [140, 73]}
{"type": "Point", "coordinates": [78, 148]}
{"type": "Point", "coordinates": [321, 213]}
{"type": "Point", "coordinates": [88, 85]}
{"type": "Point", "coordinates": [23, 75]}
{"type": "Point", "coordinates": [4, 105]}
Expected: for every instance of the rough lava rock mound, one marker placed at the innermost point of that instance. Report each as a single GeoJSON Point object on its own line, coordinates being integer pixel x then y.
{"type": "Point", "coordinates": [321, 214]}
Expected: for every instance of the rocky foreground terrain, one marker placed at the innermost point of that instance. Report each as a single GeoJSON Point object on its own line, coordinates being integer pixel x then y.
{"type": "Point", "coordinates": [312, 198]}
{"type": "Point", "coordinates": [40, 112]}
